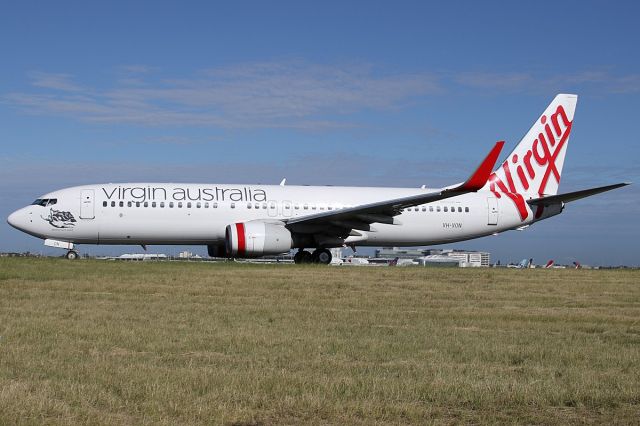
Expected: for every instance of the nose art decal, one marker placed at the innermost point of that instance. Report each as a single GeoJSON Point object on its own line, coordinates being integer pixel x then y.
{"type": "Point", "coordinates": [60, 219]}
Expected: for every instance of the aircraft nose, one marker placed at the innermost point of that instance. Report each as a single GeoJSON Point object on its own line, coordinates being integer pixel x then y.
{"type": "Point", "coordinates": [14, 219]}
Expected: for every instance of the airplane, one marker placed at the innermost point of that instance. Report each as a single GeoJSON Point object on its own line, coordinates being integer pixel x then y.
{"type": "Point", "coordinates": [240, 221]}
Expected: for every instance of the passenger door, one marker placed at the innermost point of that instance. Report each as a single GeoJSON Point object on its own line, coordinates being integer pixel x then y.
{"type": "Point", "coordinates": [87, 205]}
{"type": "Point", "coordinates": [492, 205]}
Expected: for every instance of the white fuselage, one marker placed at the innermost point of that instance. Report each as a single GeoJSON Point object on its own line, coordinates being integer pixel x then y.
{"type": "Point", "coordinates": [162, 213]}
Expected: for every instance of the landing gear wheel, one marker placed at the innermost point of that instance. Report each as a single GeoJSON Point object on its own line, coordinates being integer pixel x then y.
{"type": "Point", "coordinates": [71, 255]}
{"type": "Point", "coordinates": [301, 257]}
{"type": "Point", "coordinates": [322, 256]}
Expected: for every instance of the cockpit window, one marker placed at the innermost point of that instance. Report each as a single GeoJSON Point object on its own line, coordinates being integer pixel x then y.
{"type": "Point", "coordinates": [44, 202]}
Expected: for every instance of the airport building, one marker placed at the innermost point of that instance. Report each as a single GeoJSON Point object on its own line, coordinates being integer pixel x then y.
{"type": "Point", "coordinates": [470, 258]}
{"type": "Point", "coordinates": [438, 257]}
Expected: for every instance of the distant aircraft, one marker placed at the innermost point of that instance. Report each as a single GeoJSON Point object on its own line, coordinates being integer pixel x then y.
{"type": "Point", "coordinates": [254, 220]}
{"type": "Point", "coordinates": [549, 264]}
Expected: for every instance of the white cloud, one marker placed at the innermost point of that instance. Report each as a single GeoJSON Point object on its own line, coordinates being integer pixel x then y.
{"type": "Point", "coordinates": [289, 95]}
{"type": "Point", "coordinates": [60, 82]}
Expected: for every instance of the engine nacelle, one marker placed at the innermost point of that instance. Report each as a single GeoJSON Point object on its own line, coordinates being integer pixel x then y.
{"type": "Point", "coordinates": [252, 239]}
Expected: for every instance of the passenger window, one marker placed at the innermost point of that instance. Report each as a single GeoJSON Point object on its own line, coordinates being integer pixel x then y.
{"type": "Point", "coordinates": [453, 209]}
{"type": "Point", "coordinates": [306, 207]}
{"type": "Point", "coordinates": [146, 204]}
{"type": "Point", "coordinates": [113, 204]}
{"type": "Point", "coordinates": [162, 204]}
{"type": "Point", "coordinates": [233, 205]}
{"type": "Point", "coordinates": [129, 203]}
{"type": "Point", "coordinates": [206, 205]}
{"type": "Point", "coordinates": [430, 208]}
{"type": "Point", "coordinates": [137, 203]}
{"type": "Point", "coordinates": [121, 203]}
{"type": "Point", "coordinates": [459, 209]}
{"type": "Point", "coordinates": [256, 206]}
{"type": "Point", "coordinates": [153, 204]}
{"type": "Point", "coordinates": [171, 204]}
{"type": "Point", "coordinates": [466, 209]}
{"type": "Point", "coordinates": [438, 209]}
{"type": "Point", "coordinates": [329, 208]}
{"type": "Point", "coordinates": [189, 205]}
{"type": "Point", "coordinates": [424, 209]}
{"type": "Point", "coordinates": [248, 205]}
{"type": "Point", "coordinates": [198, 205]}
{"type": "Point", "coordinates": [446, 209]}
{"type": "Point", "coordinates": [104, 204]}
{"type": "Point", "coordinates": [297, 207]}
{"type": "Point", "coordinates": [180, 204]}
{"type": "Point", "coordinates": [215, 205]}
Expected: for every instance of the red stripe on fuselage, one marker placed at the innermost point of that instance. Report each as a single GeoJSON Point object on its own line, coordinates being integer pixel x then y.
{"type": "Point", "coordinates": [241, 240]}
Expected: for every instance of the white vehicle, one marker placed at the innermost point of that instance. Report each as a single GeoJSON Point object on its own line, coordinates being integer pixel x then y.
{"type": "Point", "coordinates": [255, 220]}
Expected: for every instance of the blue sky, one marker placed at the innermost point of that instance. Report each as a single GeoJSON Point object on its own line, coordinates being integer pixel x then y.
{"type": "Point", "coordinates": [359, 93]}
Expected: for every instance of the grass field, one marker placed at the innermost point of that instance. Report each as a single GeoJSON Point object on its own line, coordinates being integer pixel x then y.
{"type": "Point", "coordinates": [97, 342]}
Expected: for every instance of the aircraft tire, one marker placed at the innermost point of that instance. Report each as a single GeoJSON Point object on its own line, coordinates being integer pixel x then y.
{"type": "Point", "coordinates": [71, 255]}
{"type": "Point", "coordinates": [302, 257]}
{"type": "Point", "coordinates": [322, 256]}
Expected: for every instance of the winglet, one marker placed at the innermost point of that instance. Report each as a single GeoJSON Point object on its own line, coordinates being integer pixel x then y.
{"type": "Point", "coordinates": [480, 177]}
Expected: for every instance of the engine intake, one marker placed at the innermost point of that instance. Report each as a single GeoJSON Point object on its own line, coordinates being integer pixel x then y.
{"type": "Point", "coordinates": [253, 239]}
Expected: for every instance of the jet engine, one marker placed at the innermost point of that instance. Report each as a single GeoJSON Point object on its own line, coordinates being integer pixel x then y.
{"type": "Point", "coordinates": [253, 239]}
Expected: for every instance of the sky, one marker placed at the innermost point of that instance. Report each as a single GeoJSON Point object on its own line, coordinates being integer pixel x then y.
{"type": "Point", "coordinates": [343, 93]}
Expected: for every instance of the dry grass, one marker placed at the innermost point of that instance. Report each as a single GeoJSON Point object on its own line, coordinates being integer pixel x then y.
{"type": "Point", "coordinates": [91, 342]}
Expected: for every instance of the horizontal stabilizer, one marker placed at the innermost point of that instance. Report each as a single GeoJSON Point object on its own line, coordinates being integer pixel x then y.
{"type": "Point", "coordinates": [573, 196]}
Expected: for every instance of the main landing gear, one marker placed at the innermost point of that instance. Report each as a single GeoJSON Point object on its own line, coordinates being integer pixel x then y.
{"type": "Point", "coordinates": [71, 255]}
{"type": "Point", "coordinates": [321, 256]}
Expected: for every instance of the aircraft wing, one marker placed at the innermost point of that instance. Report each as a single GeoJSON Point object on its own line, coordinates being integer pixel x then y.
{"type": "Point", "coordinates": [359, 217]}
{"type": "Point", "coordinates": [572, 196]}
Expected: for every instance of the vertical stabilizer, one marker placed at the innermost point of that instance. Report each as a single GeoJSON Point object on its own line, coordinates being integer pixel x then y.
{"type": "Point", "coordinates": [535, 165]}
{"type": "Point", "coordinates": [533, 168]}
